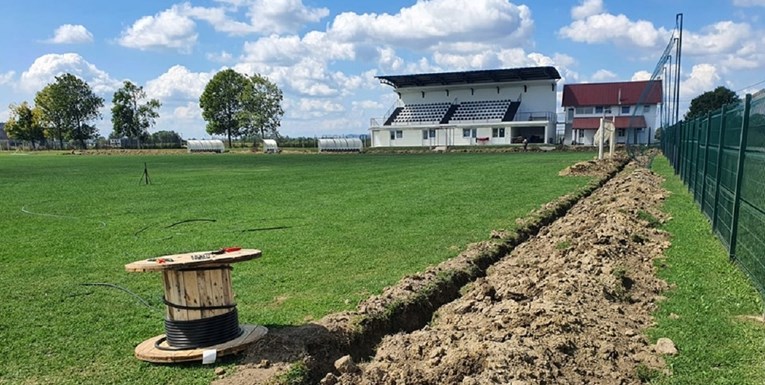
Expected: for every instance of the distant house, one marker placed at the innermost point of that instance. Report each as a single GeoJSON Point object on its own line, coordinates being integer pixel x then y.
{"type": "Point", "coordinates": [3, 135]}
{"type": "Point", "coordinates": [632, 106]}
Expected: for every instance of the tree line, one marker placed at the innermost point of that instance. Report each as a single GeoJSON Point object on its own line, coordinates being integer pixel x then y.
{"type": "Point", "coordinates": [233, 104]}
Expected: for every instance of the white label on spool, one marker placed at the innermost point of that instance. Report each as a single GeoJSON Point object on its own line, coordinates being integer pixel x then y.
{"type": "Point", "coordinates": [208, 356]}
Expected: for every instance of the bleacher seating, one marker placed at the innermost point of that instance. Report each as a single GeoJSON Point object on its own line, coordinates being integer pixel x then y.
{"type": "Point", "coordinates": [483, 110]}
{"type": "Point", "coordinates": [421, 113]}
{"type": "Point", "coordinates": [442, 113]}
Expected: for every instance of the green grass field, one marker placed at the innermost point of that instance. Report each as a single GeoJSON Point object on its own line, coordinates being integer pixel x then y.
{"type": "Point", "coordinates": [716, 347]}
{"type": "Point", "coordinates": [333, 230]}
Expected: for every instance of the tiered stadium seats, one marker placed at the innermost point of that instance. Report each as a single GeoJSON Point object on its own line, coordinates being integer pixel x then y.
{"type": "Point", "coordinates": [421, 113]}
{"type": "Point", "coordinates": [484, 110]}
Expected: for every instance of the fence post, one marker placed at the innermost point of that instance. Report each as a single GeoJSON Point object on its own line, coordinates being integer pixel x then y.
{"type": "Point", "coordinates": [679, 146]}
{"type": "Point", "coordinates": [688, 152]}
{"type": "Point", "coordinates": [739, 176]}
{"type": "Point", "coordinates": [697, 150]}
{"type": "Point", "coordinates": [720, 149]}
{"type": "Point", "coordinates": [699, 167]}
{"type": "Point", "coordinates": [706, 160]}
{"type": "Point", "coordinates": [681, 155]}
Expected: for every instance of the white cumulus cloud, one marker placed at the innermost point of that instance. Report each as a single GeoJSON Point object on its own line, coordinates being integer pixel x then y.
{"type": "Point", "coordinates": [188, 111]}
{"type": "Point", "coordinates": [220, 57]}
{"type": "Point", "coordinates": [366, 105]}
{"type": "Point", "coordinates": [7, 77]}
{"type": "Point", "coordinates": [283, 16]}
{"type": "Point", "coordinates": [721, 37]}
{"type": "Point", "coordinates": [169, 29]}
{"type": "Point", "coordinates": [617, 29]}
{"type": "Point", "coordinates": [45, 68]}
{"type": "Point", "coordinates": [703, 78]}
{"type": "Point", "coordinates": [427, 23]}
{"type": "Point", "coordinates": [603, 75]}
{"type": "Point", "coordinates": [587, 8]}
{"type": "Point", "coordinates": [71, 34]}
{"type": "Point", "coordinates": [641, 75]}
{"type": "Point", "coordinates": [178, 83]}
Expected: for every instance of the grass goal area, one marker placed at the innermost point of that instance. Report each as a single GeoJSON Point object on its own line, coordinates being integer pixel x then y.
{"type": "Point", "coordinates": [333, 230]}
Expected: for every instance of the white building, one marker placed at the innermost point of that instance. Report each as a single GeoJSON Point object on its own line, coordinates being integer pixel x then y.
{"type": "Point", "coordinates": [632, 106]}
{"type": "Point", "coordinates": [489, 107]}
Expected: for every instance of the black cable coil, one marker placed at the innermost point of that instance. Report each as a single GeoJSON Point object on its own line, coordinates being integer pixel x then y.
{"type": "Point", "coordinates": [193, 334]}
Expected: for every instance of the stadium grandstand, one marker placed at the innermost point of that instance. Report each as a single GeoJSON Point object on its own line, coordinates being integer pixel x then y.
{"type": "Point", "coordinates": [487, 107]}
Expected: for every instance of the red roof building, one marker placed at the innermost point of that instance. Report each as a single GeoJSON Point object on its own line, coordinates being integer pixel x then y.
{"type": "Point", "coordinates": [632, 106]}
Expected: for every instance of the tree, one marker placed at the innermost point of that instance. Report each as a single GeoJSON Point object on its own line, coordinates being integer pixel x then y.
{"type": "Point", "coordinates": [221, 103]}
{"type": "Point", "coordinates": [710, 101]}
{"type": "Point", "coordinates": [262, 112]}
{"type": "Point", "coordinates": [24, 124]}
{"type": "Point", "coordinates": [169, 139]}
{"type": "Point", "coordinates": [130, 117]}
{"type": "Point", "coordinates": [67, 106]}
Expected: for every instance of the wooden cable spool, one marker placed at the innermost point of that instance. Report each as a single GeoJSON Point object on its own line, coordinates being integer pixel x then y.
{"type": "Point", "coordinates": [198, 292]}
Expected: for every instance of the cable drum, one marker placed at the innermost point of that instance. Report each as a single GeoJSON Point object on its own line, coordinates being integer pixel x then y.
{"type": "Point", "coordinates": [182, 335]}
{"type": "Point", "coordinates": [200, 306]}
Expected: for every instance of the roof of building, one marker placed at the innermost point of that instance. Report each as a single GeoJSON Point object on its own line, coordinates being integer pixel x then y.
{"type": "Point", "coordinates": [611, 94]}
{"type": "Point", "coordinates": [637, 121]}
{"type": "Point", "coordinates": [3, 135]}
{"type": "Point", "coordinates": [471, 77]}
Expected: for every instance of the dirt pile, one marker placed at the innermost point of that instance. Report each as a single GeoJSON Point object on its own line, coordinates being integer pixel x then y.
{"type": "Point", "coordinates": [406, 306]}
{"type": "Point", "coordinates": [593, 167]}
{"type": "Point", "coordinates": [567, 307]}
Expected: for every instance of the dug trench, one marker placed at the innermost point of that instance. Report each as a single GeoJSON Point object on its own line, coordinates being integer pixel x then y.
{"type": "Point", "coordinates": [564, 298]}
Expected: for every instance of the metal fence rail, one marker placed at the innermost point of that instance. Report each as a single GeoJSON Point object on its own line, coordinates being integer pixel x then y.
{"type": "Point", "coordinates": [721, 159]}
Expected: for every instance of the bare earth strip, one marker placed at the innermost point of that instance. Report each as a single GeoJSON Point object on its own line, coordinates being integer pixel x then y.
{"type": "Point", "coordinates": [569, 306]}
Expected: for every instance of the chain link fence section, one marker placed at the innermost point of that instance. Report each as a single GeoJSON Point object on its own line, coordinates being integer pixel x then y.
{"type": "Point", "coordinates": [721, 159]}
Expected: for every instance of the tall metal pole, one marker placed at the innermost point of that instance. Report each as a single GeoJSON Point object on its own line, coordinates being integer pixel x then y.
{"type": "Point", "coordinates": [678, 54]}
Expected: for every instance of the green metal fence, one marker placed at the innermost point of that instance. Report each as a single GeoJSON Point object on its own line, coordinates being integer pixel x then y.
{"type": "Point", "coordinates": [721, 158]}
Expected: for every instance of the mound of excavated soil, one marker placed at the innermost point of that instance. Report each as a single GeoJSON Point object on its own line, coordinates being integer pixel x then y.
{"type": "Point", "coordinates": [569, 306]}
{"type": "Point", "coordinates": [592, 167]}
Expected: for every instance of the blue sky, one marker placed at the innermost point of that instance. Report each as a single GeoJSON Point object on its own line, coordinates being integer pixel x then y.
{"type": "Point", "coordinates": [324, 54]}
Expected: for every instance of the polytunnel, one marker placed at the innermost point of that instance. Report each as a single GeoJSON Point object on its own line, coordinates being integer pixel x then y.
{"type": "Point", "coordinates": [341, 145]}
{"type": "Point", "coordinates": [214, 145]}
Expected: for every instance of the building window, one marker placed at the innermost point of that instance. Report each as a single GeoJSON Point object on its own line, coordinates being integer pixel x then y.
{"type": "Point", "coordinates": [599, 109]}
{"type": "Point", "coordinates": [398, 134]}
{"type": "Point", "coordinates": [428, 134]}
{"type": "Point", "coordinates": [498, 132]}
{"type": "Point", "coordinates": [581, 134]}
{"type": "Point", "coordinates": [424, 134]}
{"type": "Point", "coordinates": [625, 109]}
{"type": "Point", "coordinates": [392, 135]}
{"type": "Point", "coordinates": [620, 132]}
{"type": "Point", "coordinates": [432, 132]}
{"type": "Point", "coordinates": [584, 110]}
{"type": "Point", "coordinates": [646, 109]}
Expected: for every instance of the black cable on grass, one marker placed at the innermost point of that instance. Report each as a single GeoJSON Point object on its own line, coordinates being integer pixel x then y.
{"type": "Point", "coordinates": [140, 231]}
{"type": "Point", "coordinates": [190, 220]}
{"type": "Point", "coordinates": [267, 229]}
{"type": "Point", "coordinates": [143, 301]}
{"type": "Point", "coordinates": [25, 211]}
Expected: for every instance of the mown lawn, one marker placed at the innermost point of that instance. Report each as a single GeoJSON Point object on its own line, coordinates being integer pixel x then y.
{"type": "Point", "coordinates": [333, 230]}
{"type": "Point", "coordinates": [711, 294]}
